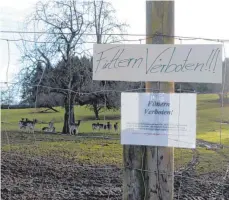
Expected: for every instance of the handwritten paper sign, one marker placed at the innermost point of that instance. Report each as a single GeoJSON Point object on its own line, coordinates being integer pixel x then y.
{"type": "Point", "coordinates": [158, 119]}
{"type": "Point", "coordinates": [159, 62]}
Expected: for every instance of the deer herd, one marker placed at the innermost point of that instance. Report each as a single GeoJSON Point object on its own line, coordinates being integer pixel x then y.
{"type": "Point", "coordinates": [108, 126]}
{"type": "Point", "coordinates": [29, 126]}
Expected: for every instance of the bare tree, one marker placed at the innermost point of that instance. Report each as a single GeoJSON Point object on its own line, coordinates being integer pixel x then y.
{"type": "Point", "coordinates": [105, 25]}
{"type": "Point", "coordinates": [99, 95]}
{"type": "Point", "coordinates": [106, 29]}
{"type": "Point", "coordinates": [64, 24]}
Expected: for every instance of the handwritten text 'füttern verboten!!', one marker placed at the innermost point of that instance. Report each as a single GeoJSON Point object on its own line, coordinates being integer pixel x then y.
{"type": "Point", "coordinates": [165, 61]}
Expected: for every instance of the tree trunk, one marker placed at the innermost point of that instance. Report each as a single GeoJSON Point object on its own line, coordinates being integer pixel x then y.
{"type": "Point", "coordinates": [220, 97]}
{"type": "Point", "coordinates": [223, 98]}
{"type": "Point", "coordinates": [96, 111]}
{"type": "Point", "coordinates": [69, 117]}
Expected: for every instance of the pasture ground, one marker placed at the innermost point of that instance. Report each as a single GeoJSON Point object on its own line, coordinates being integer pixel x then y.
{"type": "Point", "coordinates": [55, 166]}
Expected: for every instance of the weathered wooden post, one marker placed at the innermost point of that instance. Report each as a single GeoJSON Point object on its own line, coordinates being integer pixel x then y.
{"type": "Point", "coordinates": [148, 171]}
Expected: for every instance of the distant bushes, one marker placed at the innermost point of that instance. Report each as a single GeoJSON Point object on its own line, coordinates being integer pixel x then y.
{"type": "Point", "coordinates": [4, 106]}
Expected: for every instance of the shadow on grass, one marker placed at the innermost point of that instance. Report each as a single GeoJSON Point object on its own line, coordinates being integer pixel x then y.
{"type": "Point", "coordinates": [105, 135]}
{"type": "Point", "coordinates": [108, 117]}
{"type": "Point", "coordinates": [210, 105]}
{"type": "Point", "coordinates": [223, 121]}
{"type": "Point", "coordinates": [22, 137]}
{"type": "Point", "coordinates": [226, 101]}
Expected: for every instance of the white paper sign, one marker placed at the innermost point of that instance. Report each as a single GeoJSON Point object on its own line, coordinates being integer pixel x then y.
{"type": "Point", "coordinates": [158, 119]}
{"type": "Point", "coordinates": [158, 62]}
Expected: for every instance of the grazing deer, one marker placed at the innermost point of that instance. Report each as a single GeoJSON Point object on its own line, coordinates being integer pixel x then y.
{"type": "Point", "coordinates": [27, 124]}
{"type": "Point", "coordinates": [94, 126]}
{"type": "Point", "coordinates": [21, 124]}
{"type": "Point", "coordinates": [116, 126]}
{"type": "Point", "coordinates": [74, 128]}
{"type": "Point", "coordinates": [101, 126]}
{"type": "Point", "coordinates": [31, 125]}
{"type": "Point", "coordinates": [109, 126]}
{"type": "Point", "coordinates": [97, 126]}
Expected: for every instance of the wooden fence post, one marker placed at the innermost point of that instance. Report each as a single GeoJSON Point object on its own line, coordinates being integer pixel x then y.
{"type": "Point", "coordinates": [148, 171]}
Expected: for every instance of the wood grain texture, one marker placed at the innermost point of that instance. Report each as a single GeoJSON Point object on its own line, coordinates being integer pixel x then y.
{"type": "Point", "coordinates": [148, 173]}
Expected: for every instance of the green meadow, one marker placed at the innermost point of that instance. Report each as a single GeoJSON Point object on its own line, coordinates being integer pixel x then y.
{"type": "Point", "coordinates": [101, 151]}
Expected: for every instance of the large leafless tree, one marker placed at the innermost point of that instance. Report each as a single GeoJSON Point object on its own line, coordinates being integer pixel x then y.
{"type": "Point", "coordinates": [64, 24]}
{"type": "Point", "coordinates": [63, 27]}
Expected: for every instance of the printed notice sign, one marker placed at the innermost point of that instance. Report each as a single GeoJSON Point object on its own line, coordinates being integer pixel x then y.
{"type": "Point", "coordinates": [158, 62]}
{"type": "Point", "coordinates": [158, 119]}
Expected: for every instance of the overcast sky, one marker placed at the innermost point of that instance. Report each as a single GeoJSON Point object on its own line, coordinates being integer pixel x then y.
{"type": "Point", "coordinates": [196, 18]}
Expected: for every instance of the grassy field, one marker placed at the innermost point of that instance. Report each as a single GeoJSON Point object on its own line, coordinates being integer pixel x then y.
{"type": "Point", "coordinates": [208, 118]}
{"type": "Point", "coordinates": [12, 116]}
{"type": "Point", "coordinates": [209, 114]}
{"type": "Point", "coordinates": [101, 151]}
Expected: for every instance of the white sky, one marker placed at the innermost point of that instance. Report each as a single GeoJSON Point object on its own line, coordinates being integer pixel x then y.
{"type": "Point", "coordinates": [196, 18]}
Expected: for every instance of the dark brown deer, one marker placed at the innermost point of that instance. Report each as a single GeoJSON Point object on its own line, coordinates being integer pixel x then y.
{"type": "Point", "coordinates": [116, 126]}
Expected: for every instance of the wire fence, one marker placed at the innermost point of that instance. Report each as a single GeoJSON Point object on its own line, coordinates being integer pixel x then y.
{"type": "Point", "coordinates": [89, 165]}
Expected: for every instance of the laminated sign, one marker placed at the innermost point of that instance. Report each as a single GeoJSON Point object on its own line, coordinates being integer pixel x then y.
{"type": "Point", "coordinates": [158, 119]}
{"type": "Point", "coordinates": [158, 62]}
